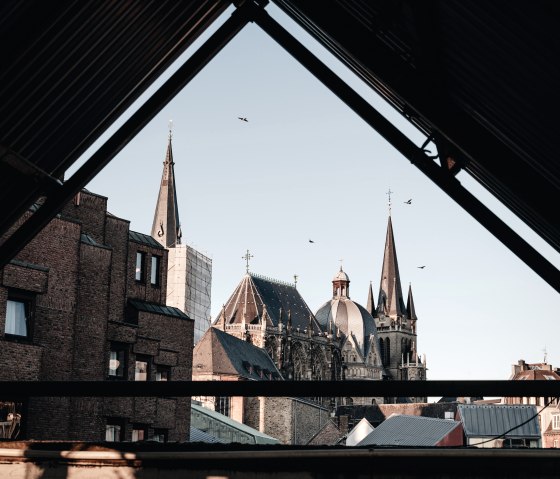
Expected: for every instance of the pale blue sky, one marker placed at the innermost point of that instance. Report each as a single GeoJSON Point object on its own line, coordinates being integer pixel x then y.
{"type": "Point", "coordinates": [306, 167]}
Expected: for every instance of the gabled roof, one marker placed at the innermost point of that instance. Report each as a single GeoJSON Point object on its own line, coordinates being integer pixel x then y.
{"type": "Point", "coordinates": [496, 420]}
{"type": "Point", "coordinates": [281, 301]}
{"type": "Point", "coordinates": [223, 354]}
{"type": "Point", "coordinates": [400, 430]}
{"type": "Point", "coordinates": [359, 432]}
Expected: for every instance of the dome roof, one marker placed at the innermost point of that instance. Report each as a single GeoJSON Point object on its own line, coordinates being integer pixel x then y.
{"type": "Point", "coordinates": [350, 318]}
{"type": "Point", "coordinates": [341, 276]}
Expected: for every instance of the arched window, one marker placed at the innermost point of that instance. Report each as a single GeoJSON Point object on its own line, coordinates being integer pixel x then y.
{"type": "Point", "coordinates": [382, 351]}
{"type": "Point", "coordinates": [387, 360]}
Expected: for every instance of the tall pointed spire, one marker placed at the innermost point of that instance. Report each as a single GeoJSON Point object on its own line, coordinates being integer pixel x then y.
{"type": "Point", "coordinates": [370, 302]}
{"type": "Point", "coordinates": [390, 300]}
{"type": "Point", "coordinates": [166, 227]}
{"type": "Point", "coordinates": [410, 311]}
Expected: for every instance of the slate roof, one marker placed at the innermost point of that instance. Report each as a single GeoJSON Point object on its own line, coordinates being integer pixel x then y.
{"type": "Point", "coordinates": [255, 292]}
{"type": "Point", "coordinates": [495, 420]}
{"type": "Point", "coordinates": [401, 430]}
{"type": "Point", "coordinates": [220, 353]}
{"type": "Point", "coordinates": [157, 308]}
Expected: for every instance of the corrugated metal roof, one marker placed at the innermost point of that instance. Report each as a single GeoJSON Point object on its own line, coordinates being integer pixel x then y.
{"type": "Point", "coordinates": [200, 436]}
{"type": "Point", "coordinates": [495, 420]}
{"type": "Point", "coordinates": [401, 430]}
{"type": "Point", "coordinates": [260, 437]}
{"type": "Point", "coordinates": [157, 308]}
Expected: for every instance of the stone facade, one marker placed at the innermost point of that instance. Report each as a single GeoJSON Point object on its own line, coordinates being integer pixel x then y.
{"type": "Point", "coordinates": [80, 289]}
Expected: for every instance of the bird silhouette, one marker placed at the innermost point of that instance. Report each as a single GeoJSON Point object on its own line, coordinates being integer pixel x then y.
{"type": "Point", "coordinates": [243, 118]}
{"type": "Point", "coordinates": [311, 241]}
{"type": "Point", "coordinates": [409, 202]}
{"type": "Point", "coordinates": [421, 267]}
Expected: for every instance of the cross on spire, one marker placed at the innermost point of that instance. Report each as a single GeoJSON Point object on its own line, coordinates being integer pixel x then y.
{"type": "Point", "coordinates": [247, 257]}
{"type": "Point", "coordinates": [389, 194]}
{"type": "Point", "coordinates": [170, 126]}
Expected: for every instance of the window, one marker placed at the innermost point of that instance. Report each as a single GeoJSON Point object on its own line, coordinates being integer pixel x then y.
{"type": "Point", "coordinates": [117, 361]}
{"type": "Point", "coordinates": [222, 405]}
{"type": "Point", "coordinates": [163, 373]}
{"type": "Point", "coordinates": [139, 433]}
{"type": "Point", "coordinates": [141, 368]}
{"type": "Point", "coordinates": [154, 272]}
{"type": "Point", "coordinates": [140, 266]}
{"type": "Point", "coordinates": [18, 316]}
{"type": "Point", "coordinates": [556, 421]}
{"type": "Point", "coordinates": [114, 430]}
{"type": "Point", "coordinates": [555, 443]}
{"type": "Point", "coordinates": [160, 435]}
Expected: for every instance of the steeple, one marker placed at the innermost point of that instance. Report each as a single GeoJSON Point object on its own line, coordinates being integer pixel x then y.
{"type": "Point", "coordinates": [390, 300]}
{"type": "Point", "coordinates": [370, 302]}
{"type": "Point", "coordinates": [341, 285]}
{"type": "Point", "coordinates": [410, 311]}
{"type": "Point", "coordinates": [166, 227]}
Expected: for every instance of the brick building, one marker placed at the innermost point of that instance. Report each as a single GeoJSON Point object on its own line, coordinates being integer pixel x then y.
{"type": "Point", "coordinates": [85, 300]}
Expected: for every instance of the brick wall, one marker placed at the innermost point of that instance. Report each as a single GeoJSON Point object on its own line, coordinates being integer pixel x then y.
{"type": "Point", "coordinates": [81, 285]}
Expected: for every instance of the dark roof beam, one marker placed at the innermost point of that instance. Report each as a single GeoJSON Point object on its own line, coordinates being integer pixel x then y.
{"type": "Point", "coordinates": [239, 18]}
{"type": "Point", "coordinates": [413, 153]}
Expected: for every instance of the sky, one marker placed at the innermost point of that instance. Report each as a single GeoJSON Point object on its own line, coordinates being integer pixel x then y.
{"type": "Point", "coordinates": [305, 166]}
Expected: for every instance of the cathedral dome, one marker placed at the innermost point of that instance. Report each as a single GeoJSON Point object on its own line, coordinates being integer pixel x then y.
{"type": "Point", "coordinates": [349, 317]}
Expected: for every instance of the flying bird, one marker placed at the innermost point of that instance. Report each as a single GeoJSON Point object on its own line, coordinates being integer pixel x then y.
{"type": "Point", "coordinates": [243, 118]}
{"type": "Point", "coordinates": [311, 241]}
{"type": "Point", "coordinates": [409, 202]}
{"type": "Point", "coordinates": [421, 267]}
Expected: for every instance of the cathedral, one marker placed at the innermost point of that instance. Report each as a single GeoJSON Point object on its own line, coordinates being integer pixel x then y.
{"type": "Point", "coordinates": [342, 340]}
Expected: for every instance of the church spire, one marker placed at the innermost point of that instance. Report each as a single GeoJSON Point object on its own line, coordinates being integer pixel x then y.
{"type": "Point", "coordinates": [410, 311]}
{"type": "Point", "coordinates": [166, 227]}
{"type": "Point", "coordinates": [390, 300]}
{"type": "Point", "coordinates": [370, 302]}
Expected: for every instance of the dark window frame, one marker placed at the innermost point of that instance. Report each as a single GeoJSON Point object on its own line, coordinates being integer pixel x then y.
{"type": "Point", "coordinates": [123, 349]}
{"type": "Point", "coordinates": [116, 422]}
{"type": "Point", "coordinates": [163, 369]}
{"type": "Point", "coordinates": [155, 279]}
{"type": "Point", "coordinates": [140, 267]}
{"type": "Point", "coordinates": [139, 427]}
{"type": "Point", "coordinates": [143, 358]}
{"type": "Point", "coordinates": [28, 300]}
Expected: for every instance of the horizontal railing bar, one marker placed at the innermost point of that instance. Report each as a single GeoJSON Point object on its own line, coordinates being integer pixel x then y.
{"type": "Point", "coordinates": [448, 388]}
